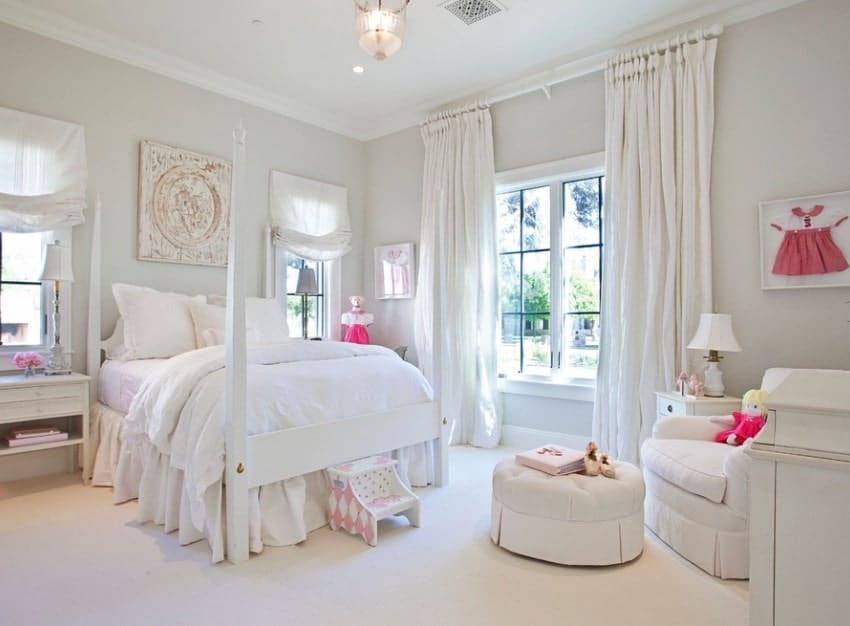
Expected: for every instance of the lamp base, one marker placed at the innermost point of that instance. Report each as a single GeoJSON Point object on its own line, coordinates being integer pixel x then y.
{"type": "Point", "coordinates": [56, 361]}
{"type": "Point", "coordinates": [713, 380]}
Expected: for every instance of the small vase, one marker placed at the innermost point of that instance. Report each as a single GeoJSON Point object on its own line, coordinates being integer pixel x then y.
{"type": "Point", "coordinates": [29, 372]}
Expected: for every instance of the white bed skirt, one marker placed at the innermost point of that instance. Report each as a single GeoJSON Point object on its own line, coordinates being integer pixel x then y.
{"type": "Point", "coordinates": [282, 513]}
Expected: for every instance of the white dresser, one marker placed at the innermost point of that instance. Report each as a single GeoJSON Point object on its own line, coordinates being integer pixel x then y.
{"type": "Point", "coordinates": [800, 504]}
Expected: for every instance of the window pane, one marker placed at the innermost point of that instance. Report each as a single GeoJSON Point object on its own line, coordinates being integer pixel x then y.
{"type": "Point", "coordinates": [581, 212]}
{"type": "Point", "coordinates": [508, 207]}
{"type": "Point", "coordinates": [509, 283]}
{"type": "Point", "coordinates": [581, 350]}
{"type": "Point", "coordinates": [535, 282]}
{"type": "Point", "coordinates": [22, 256]}
{"type": "Point", "coordinates": [535, 219]}
{"type": "Point", "coordinates": [581, 278]}
{"type": "Point", "coordinates": [509, 355]}
{"type": "Point", "coordinates": [20, 310]}
{"type": "Point", "coordinates": [537, 345]}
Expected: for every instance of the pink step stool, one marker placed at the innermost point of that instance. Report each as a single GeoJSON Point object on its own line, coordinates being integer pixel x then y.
{"type": "Point", "coordinates": [365, 491]}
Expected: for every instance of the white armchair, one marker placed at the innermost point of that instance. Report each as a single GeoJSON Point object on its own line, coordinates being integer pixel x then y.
{"type": "Point", "coordinates": [698, 491]}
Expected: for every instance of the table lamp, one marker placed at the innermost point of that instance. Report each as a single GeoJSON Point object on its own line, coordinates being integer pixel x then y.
{"type": "Point", "coordinates": [714, 334]}
{"type": "Point", "coordinates": [306, 287]}
{"type": "Point", "coordinates": [57, 267]}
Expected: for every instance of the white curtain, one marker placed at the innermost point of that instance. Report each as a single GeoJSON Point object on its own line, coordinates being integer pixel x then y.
{"type": "Point", "coordinates": [657, 262]}
{"type": "Point", "coordinates": [42, 172]}
{"type": "Point", "coordinates": [309, 218]}
{"type": "Point", "coordinates": [457, 295]}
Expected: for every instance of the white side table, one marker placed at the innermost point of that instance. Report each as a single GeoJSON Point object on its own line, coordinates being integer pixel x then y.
{"type": "Point", "coordinates": [672, 403]}
{"type": "Point", "coordinates": [61, 401]}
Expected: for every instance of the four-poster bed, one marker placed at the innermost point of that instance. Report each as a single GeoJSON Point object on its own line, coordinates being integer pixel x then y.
{"type": "Point", "coordinates": [256, 460]}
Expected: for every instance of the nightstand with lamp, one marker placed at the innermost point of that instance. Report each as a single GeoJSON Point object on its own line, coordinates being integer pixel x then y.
{"type": "Point", "coordinates": [714, 334]}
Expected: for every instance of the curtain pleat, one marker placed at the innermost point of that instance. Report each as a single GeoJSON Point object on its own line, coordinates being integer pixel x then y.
{"type": "Point", "coordinates": [456, 307]}
{"type": "Point", "coordinates": [657, 262]}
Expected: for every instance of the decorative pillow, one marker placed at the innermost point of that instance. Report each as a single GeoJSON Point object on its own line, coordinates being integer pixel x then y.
{"type": "Point", "coordinates": [114, 346]}
{"type": "Point", "coordinates": [265, 321]}
{"type": "Point", "coordinates": [212, 337]}
{"type": "Point", "coordinates": [216, 299]}
{"type": "Point", "coordinates": [206, 317]}
{"type": "Point", "coordinates": [156, 324]}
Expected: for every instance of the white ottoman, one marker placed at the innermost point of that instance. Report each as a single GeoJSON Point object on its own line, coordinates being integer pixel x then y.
{"type": "Point", "coordinates": [573, 519]}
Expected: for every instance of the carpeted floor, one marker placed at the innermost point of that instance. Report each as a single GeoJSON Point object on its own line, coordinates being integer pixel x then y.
{"type": "Point", "coordinates": [68, 556]}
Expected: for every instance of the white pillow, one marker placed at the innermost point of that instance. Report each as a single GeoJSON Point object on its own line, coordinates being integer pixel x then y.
{"type": "Point", "coordinates": [156, 324]}
{"type": "Point", "coordinates": [265, 321]}
{"type": "Point", "coordinates": [206, 317]}
{"type": "Point", "coordinates": [114, 346]}
{"type": "Point", "coordinates": [212, 337]}
{"type": "Point", "coordinates": [216, 299]}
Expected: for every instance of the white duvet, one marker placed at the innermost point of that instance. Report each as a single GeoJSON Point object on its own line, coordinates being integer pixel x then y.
{"type": "Point", "coordinates": [179, 408]}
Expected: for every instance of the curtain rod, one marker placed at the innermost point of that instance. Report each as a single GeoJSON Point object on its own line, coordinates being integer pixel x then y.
{"type": "Point", "coordinates": [662, 47]}
{"type": "Point", "coordinates": [478, 105]}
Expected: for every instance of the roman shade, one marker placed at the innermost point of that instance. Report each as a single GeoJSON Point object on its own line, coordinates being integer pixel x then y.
{"type": "Point", "coordinates": [43, 172]}
{"type": "Point", "coordinates": [309, 218]}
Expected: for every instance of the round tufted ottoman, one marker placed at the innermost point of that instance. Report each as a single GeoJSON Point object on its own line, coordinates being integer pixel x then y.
{"type": "Point", "coordinates": [573, 519]}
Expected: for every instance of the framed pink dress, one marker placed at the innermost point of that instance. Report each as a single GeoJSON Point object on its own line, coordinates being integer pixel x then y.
{"type": "Point", "coordinates": [807, 246]}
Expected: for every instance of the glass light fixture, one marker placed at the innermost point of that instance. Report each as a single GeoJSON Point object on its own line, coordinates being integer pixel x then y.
{"type": "Point", "coordinates": [380, 26]}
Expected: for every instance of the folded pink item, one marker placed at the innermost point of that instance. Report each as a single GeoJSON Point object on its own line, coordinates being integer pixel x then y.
{"type": "Point", "coordinates": [552, 459]}
{"type": "Point", "coordinates": [31, 441]}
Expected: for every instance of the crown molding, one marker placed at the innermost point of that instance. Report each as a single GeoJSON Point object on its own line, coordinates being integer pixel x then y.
{"type": "Point", "coordinates": [102, 43]}
{"type": "Point", "coordinates": [59, 28]}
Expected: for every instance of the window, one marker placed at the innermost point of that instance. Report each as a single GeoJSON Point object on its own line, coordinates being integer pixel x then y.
{"type": "Point", "coordinates": [316, 310]}
{"type": "Point", "coordinates": [550, 253]}
{"type": "Point", "coordinates": [22, 296]}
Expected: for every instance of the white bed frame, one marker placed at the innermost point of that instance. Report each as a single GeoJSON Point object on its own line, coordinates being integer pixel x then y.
{"type": "Point", "coordinates": [256, 460]}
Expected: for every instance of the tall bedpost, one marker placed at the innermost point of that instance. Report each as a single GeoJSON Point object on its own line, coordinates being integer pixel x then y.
{"type": "Point", "coordinates": [236, 380]}
{"type": "Point", "coordinates": [270, 257]}
{"type": "Point", "coordinates": [93, 328]}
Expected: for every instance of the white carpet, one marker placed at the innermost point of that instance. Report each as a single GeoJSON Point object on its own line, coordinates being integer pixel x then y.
{"type": "Point", "coordinates": [70, 557]}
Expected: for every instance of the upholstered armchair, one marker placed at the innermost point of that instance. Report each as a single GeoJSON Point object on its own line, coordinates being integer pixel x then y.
{"type": "Point", "coordinates": [698, 491]}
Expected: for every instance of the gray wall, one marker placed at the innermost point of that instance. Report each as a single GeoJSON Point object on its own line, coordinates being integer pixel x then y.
{"type": "Point", "coordinates": [782, 129]}
{"type": "Point", "coordinates": [119, 105]}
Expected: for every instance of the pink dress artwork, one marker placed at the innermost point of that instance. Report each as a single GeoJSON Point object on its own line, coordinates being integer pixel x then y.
{"type": "Point", "coordinates": [807, 247]}
{"type": "Point", "coordinates": [354, 323]}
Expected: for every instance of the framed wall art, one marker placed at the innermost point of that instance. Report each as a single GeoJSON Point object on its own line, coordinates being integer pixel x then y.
{"type": "Point", "coordinates": [805, 242]}
{"type": "Point", "coordinates": [184, 206]}
{"type": "Point", "coordinates": [394, 271]}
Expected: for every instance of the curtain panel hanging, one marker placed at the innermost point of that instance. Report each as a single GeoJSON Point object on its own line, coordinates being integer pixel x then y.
{"type": "Point", "coordinates": [43, 172]}
{"type": "Point", "coordinates": [657, 231]}
{"type": "Point", "coordinates": [309, 218]}
{"type": "Point", "coordinates": [456, 308]}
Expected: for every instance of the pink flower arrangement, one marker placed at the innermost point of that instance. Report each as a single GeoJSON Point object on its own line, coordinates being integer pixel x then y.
{"type": "Point", "coordinates": [24, 360]}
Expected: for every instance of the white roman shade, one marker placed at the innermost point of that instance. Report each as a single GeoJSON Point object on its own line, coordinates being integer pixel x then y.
{"type": "Point", "coordinates": [309, 218]}
{"type": "Point", "coordinates": [42, 172]}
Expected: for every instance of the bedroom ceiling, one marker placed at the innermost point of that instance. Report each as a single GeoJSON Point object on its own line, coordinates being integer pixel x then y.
{"type": "Point", "coordinates": [298, 60]}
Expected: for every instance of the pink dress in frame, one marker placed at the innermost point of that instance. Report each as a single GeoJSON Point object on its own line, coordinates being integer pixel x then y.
{"type": "Point", "coordinates": [807, 246]}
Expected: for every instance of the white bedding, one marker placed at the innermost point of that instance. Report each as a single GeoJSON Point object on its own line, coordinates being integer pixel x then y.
{"type": "Point", "coordinates": [119, 381]}
{"type": "Point", "coordinates": [177, 414]}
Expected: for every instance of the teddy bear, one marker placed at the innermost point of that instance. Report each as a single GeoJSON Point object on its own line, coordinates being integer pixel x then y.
{"type": "Point", "coordinates": [746, 423]}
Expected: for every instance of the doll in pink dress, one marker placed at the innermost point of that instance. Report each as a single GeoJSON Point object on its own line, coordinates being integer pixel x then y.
{"type": "Point", "coordinates": [807, 247]}
{"type": "Point", "coordinates": [355, 321]}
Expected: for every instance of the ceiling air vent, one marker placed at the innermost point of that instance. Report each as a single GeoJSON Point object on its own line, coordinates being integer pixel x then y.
{"type": "Point", "coordinates": [471, 11]}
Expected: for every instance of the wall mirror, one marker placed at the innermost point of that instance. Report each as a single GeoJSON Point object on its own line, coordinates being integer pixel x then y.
{"type": "Point", "coordinates": [394, 271]}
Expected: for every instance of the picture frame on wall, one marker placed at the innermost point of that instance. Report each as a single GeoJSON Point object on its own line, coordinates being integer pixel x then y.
{"type": "Point", "coordinates": [805, 241]}
{"type": "Point", "coordinates": [184, 206]}
{"type": "Point", "coordinates": [395, 271]}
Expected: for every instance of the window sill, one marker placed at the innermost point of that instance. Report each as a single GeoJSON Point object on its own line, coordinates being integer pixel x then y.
{"type": "Point", "coordinates": [582, 390]}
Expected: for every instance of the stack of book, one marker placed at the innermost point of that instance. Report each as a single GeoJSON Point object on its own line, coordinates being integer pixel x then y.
{"type": "Point", "coordinates": [552, 459]}
{"type": "Point", "coordinates": [32, 436]}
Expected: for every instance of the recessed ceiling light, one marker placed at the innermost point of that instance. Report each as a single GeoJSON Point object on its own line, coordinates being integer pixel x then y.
{"type": "Point", "coordinates": [358, 69]}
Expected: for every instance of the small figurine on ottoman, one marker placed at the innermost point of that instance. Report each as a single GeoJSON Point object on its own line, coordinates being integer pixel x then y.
{"type": "Point", "coordinates": [748, 423]}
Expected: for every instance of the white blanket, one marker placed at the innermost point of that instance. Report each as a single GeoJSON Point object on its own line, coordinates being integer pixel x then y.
{"type": "Point", "coordinates": [179, 408]}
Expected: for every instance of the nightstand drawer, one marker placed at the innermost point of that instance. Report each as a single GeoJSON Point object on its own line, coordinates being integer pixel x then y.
{"type": "Point", "coordinates": [667, 407]}
{"type": "Point", "coordinates": [49, 407]}
{"type": "Point", "coordinates": [41, 392]}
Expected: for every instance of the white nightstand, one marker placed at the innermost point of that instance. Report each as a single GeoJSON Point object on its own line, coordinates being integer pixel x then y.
{"type": "Point", "coordinates": [673, 403]}
{"type": "Point", "coordinates": [61, 401]}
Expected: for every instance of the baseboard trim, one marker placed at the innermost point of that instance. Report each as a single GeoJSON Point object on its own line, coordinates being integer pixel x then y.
{"type": "Point", "coordinates": [524, 438]}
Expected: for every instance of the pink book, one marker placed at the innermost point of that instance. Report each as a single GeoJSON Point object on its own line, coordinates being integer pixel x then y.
{"type": "Point", "coordinates": [31, 441]}
{"type": "Point", "coordinates": [552, 459]}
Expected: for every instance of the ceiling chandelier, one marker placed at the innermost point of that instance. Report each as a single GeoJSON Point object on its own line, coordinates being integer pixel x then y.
{"type": "Point", "coordinates": [380, 26]}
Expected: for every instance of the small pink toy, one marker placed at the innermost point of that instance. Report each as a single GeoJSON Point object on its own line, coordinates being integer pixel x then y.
{"type": "Point", "coordinates": [747, 424]}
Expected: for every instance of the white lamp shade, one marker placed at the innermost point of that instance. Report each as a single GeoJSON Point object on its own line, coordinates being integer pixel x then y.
{"type": "Point", "coordinates": [715, 333]}
{"type": "Point", "coordinates": [306, 281]}
{"type": "Point", "coordinates": [57, 264]}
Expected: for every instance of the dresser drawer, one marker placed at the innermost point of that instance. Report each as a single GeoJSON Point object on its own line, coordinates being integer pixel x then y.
{"type": "Point", "coordinates": [48, 407]}
{"type": "Point", "coordinates": [668, 407]}
{"type": "Point", "coordinates": [39, 392]}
